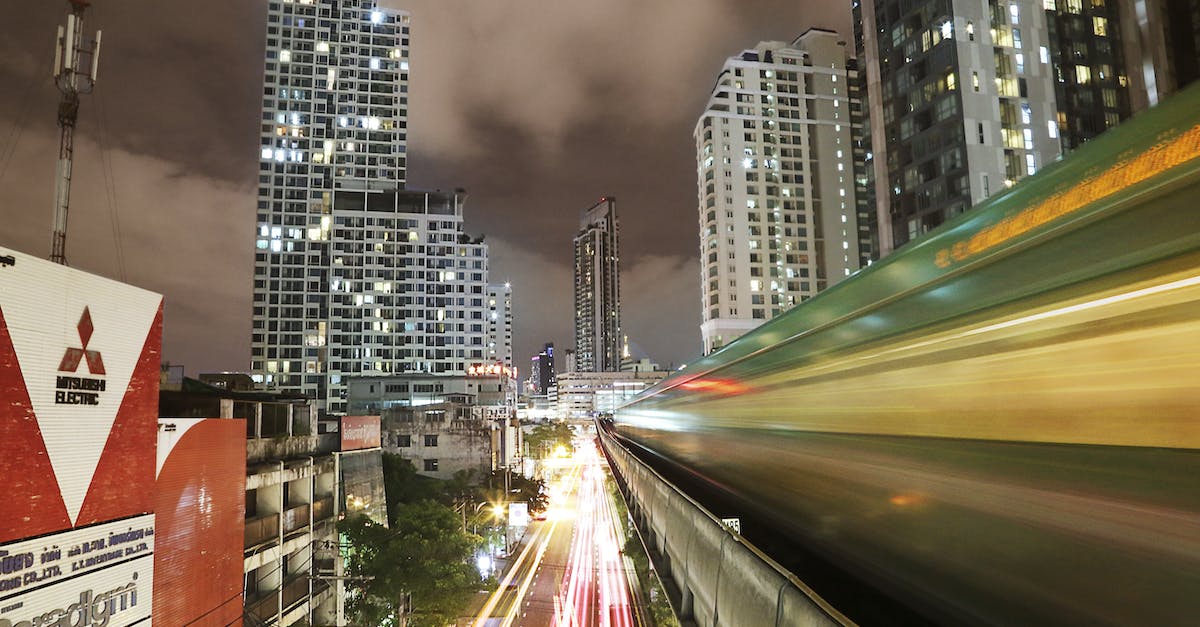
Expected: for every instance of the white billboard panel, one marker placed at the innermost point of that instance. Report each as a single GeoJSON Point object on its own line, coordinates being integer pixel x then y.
{"type": "Point", "coordinates": [116, 596]}
{"type": "Point", "coordinates": [45, 561]}
{"type": "Point", "coordinates": [518, 514]}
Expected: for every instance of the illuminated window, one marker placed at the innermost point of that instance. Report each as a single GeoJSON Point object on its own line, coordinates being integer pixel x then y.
{"type": "Point", "coordinates": [1100, 26]}
{"type": "Point", "coordinates": [285, 56]}
{"type": "Point", "coordinates": [1014, 13]}
{"type": "Point", "coordinates": [1052, 128]}
{"type": "Point", "coordinates": [1083, 74]}
{"type": "Point", "coordinates": [975, 81]}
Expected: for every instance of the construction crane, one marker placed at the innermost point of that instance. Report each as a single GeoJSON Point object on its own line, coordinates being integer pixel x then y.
{"type": "Point", "coordinates": [75, 65]}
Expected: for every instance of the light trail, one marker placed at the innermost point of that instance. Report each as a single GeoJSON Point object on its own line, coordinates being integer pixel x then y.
{"type": "Point", "coordinates": [596, 590]}
{"type": "Point", "coordinates": [540, 540]}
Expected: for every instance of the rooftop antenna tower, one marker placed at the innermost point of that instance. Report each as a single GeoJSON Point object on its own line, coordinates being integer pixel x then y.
{"type": "Point", "coordinates": [75, 66]}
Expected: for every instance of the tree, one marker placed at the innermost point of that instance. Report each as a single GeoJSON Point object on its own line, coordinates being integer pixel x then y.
{"type": "Point", "coordinates": [515, 489]}
{"type": "Point", "coordinates": [545, 438]}
{"type": "Point", "coordinates": [424, 554]}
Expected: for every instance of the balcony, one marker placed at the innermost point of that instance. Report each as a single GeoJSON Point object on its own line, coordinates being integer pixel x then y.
{"type": "Point", "coordinates": [295, 591]}
{"type": "Point", "coordinates": [264, 606]}
{"type": "Point", "coordinates": [290, 447]}
{"type": "Point", "coordinates": [323, 509]}
{"type": "Point", "coordinates": [262, 530]}
{"type": "Point", "coordinates": [295, 519]}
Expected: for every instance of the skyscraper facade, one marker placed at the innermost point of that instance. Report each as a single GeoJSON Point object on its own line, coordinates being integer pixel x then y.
{"type": "Point", "coordinates": [1091, 86]}
{"type": "Point", "coordinates": [1160, 41]}
{"type": "Point", "coordinates": [782, 206]}
{"type": "Point", "coordinates": [961, 101]}
{"type": "Point", "coordinates": [500, 324]}
{"type": "Point", "coordinates": [541, 371]}
{"type": "Point", "coordinates": [353, 274]}
{"type": "Point", "coordinates": [597, 290]}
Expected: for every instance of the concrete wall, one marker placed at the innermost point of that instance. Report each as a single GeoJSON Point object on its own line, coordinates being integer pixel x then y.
{"type": "Point", "coordinates": [718, 578]}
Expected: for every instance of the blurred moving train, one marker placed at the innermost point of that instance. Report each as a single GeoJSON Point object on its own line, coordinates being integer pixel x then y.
{"type": "Point", "coordinates": [999, 423]}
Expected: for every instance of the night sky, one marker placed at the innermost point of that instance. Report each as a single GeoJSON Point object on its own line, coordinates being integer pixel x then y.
{"type": "Point", "coordinates": [536, 108]}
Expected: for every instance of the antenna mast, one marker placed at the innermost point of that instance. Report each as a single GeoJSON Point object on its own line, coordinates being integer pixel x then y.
{"type": "Point", "coordinates": [74, 73]}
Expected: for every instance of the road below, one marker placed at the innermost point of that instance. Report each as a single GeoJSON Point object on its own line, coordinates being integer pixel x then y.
{"type": "Point", "coordinates": [568, 570]}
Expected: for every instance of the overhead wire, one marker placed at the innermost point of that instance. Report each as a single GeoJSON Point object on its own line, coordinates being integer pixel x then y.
{"type": "Point", "coordinates": [110, 180]}
{"type": "Point", "coordinates": [110, 186]}
{"type": "Point", "coordinates": [14, 134]}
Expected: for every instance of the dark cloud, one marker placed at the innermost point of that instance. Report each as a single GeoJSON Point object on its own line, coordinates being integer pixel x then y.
{"type": "Point", "coordinates": [537, 108]}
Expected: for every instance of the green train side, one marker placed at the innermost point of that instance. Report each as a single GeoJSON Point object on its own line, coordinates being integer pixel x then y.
{"type": "Point", "coordinates": [998, 421]}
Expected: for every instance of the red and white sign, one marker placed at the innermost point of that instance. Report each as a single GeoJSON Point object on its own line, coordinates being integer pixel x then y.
{"type": "Point", "coordinates": [79, 364]}
{"type": "Point", "coordinates": [359, 432]}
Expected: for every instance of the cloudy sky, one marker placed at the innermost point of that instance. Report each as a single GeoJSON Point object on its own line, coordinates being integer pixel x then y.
{"type": "Point", "coordinates": [537, 108]}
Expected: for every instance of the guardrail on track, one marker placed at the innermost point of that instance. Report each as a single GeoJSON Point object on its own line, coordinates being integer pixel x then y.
{"type": "Point", "coordinates": [719, 578]}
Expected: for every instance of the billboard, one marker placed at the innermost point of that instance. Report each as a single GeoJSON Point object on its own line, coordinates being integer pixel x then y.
{"type": "Point", "coordinates": [200, 516]}
{"type": "Point", "coordinates": [360, 477]}
{"type": "Point", "coordinates": [359, 432]}
{"type": "Point", "coordinates": [79, 362]}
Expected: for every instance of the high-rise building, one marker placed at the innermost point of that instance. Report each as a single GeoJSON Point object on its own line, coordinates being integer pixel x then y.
{"type": "Point", "coordinates": [353, 274]}
{"type": "Point", "coordinates": [1091, 87]}
{"type": "Point", "coordinates": [962, 104]}
{"type": "Point", "coordinates": [541, 371]}
{"type": "Point", "coordinates": [597, 290]}
{"type": "Point", "coordinates": [500, 324]}
{"type": "Point", "coordinates": [1160, 41]}
{"type": "Point", "coordinates": [389, 284]}
{"type": "Point", "coordinates": [780, 198]}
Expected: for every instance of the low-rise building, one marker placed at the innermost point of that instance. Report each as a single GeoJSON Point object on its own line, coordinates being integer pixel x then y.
{"type": "Point", "coordinates": [442, 438]}
{"type": "Point", "coordinates": [299, 477]}
{"type": "Point", "coordinates": [444, 424]}
{"type": "Point", "coordinates": [584, 395]}
{"type": "Point", "coordinates": [375, 394]}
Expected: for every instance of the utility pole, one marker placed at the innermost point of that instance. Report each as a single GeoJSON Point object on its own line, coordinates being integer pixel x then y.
{"type": "Point", "coordinates": [73, 75]}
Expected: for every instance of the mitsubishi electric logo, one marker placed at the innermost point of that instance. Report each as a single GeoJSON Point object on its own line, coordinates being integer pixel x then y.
{"type": "Point", "coordinates": [80, 390]}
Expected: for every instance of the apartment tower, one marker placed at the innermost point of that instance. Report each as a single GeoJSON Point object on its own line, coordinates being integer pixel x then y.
{"type": "Point", "coordinates": [597, 290]}
{"type": "Point", "coordinates": [500, 324]}
{"type": "Point", "coordinates": [353, 274]}
{"type": "Point", "coordinates": [783, 209]}
{"type": "Point", "coordinates": [962, 104]}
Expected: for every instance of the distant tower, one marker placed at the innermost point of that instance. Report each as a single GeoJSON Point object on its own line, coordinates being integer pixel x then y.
{"type": "Point", "coordinates": [499, 324]}
{"type": "Point", "coordinates": [597, 290]}
{"type": "Point", "coordinates": [541, 371]}
{"type": "Point", "coordinates": [74, 75]}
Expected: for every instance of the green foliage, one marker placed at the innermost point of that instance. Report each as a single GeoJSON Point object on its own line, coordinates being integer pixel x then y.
{"type": "Point", "coordinates": [402, 484]}
{"type": "Point", "coordinates": [424, 554]}
{"type": "Point", "coordinates": [519, 488]}
{"type": "Point", "coordinates": [548, 436]}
